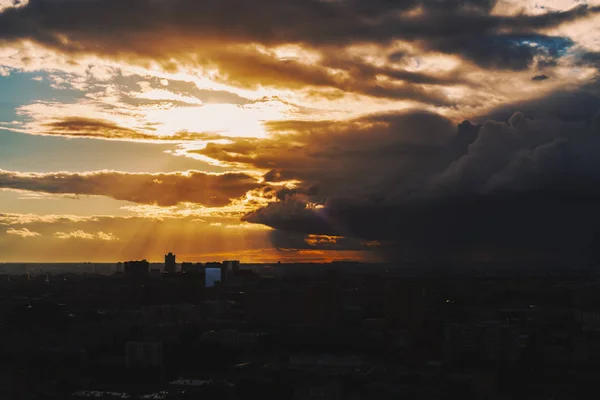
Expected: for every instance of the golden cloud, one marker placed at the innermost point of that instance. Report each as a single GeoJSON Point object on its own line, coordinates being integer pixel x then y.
{"type": "Point", "coordinates": [24, 232]}
{"type": "Point", "coordinates": [214, 190]}
{"type": "Point", "coordinates": [79, 234]}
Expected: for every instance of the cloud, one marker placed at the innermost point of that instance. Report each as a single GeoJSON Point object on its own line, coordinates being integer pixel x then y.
{"type": "Point", "coordinates": [185, 89]}
{"type": "Point", "coordinates": [501, 190]}
{"type": "Point", "coordinates": [22, 219]}
{"type": "Point", "coordinates": [212, 190]}
{"type": "Point", "coordinates": [73, 25]}
{"type": "Point", "coordinates": [24, 232]}
{"type": "Point", "coordinates": [251, 68]}
{"type": "Point", "coordinates": [506, 51]}
{"type": "Point", "coordinates": [591, 58]}
{"type": "Point", "coordinates": [88, 127]}
{"type": "Point", "coordinates": [6, 4]}
{"type": "Point", "coordinates": [107, 236]}
{"type": "Point", "coordinates": [74, 235]}
{"type": "Point", "coordinates": [96, 128]}
{"type": "Point", "coordinates": [145, 28]}
{"type": "Point", "coordinates": [567, 104]}
{"type": "Point", "coordinates": [79, 234]}
{"type": "Point", "coordinates": [362, 59]}
{"type": "Point", "coordinates": [288, 240]}
{"type": "Point", "coordinates": [342, 157]}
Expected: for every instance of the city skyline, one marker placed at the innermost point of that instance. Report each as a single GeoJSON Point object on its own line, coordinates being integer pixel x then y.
{"type": "Point", "coordinates": [299, 131]}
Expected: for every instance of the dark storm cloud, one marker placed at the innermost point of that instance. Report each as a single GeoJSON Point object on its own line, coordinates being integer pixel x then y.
{"type": "Point", "coordinates": [542, 226]}
{"type": "Point", "coordinates": [269, 21]}
{"type": "Point", "coordinates": [591, 59]}
{"type": "Point", "coordinates": [286, 192]}
{"type": "Point", "coordinates": [165, 189]}
{"type": "Point", "coordinates": [425, 188]}
{"type": "Point", "coordinates": [163, 29]}
{"type": "Point", "coordinates": [577, 105]}
{"type": "Point", "coordinates": [349, 156]}
{"type": "Point", "coordinates": [504, 51]}
{"type": "Point", "coordinates": [251, 68]}
{"type": "Point", "coordinates": [526, 155]}
{"type": "Point", "coordinates": [362, 70]}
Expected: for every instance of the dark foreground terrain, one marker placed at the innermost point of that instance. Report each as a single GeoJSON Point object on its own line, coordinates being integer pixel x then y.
{"type": "Point", "coordinates": [330, 332]}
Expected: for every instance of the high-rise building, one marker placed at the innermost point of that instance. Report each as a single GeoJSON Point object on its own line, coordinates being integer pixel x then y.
{"type": "Point", "coordinates": [193, 269]}
{"type": "Point", "coordinates": [170, 264]}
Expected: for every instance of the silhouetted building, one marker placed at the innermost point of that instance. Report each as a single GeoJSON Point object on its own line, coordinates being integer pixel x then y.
{"type": "Point", "coordinates": [186, 267]}
{"type": "Point", "coordinates": [155, 273]}
{"type": "Point", "coordinates": [231, 267]}
{"type": "Point", "coordinates": [190, 268]}
{"type": "Point", "coordinates": [170, 264]}
{"type": "Point", "coordinates": [137, 269]}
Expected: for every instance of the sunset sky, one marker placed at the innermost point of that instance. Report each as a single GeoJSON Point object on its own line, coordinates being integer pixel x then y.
{"type": "Point", "coordinates": [299, 130]}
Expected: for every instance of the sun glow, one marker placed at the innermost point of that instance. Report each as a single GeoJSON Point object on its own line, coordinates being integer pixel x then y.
{"type": "Point", "coordinates": [225, 119]}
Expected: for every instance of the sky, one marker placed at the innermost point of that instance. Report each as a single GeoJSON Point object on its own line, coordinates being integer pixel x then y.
{"type": "Point", "coordinates": [300, 130]}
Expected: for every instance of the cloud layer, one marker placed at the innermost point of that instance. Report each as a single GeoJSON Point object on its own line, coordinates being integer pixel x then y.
{"type": "Point", "coordinates": [166, 189]}
{"type": "Point", "coordinates": [24, 232]}
{"type": "Point", "coordinates": [520, 188]}
{"type": "Point", "coordinates": [164, 28]}
{"type": "Point", "coordinates": [86, 236]}
{"type": "Point", "coordinates": [102, 129]}
{"type": "Point", "coordinates": [242, 44]}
